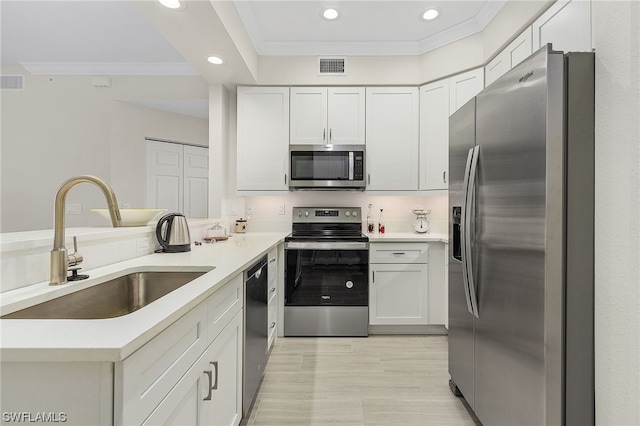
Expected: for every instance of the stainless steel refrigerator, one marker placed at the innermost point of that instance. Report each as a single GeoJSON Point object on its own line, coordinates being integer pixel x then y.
{"type": "Point", "coordinates": [521, 162]}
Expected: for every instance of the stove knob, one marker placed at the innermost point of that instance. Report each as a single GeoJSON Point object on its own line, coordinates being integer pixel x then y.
{"type": "Point", "coordinates": [354, 213]}
{"type": "Point", "coordinates": [306, 213]}
{"type": "Point", "coordinates": [347, 213]}
{"type": "Point", "coordinates": [299, 213]}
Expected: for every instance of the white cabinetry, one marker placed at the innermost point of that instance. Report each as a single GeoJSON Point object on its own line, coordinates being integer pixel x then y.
{"type": "Point", "coordinates": [327, 115]}
{"type": "Point", "coordinates": [566, 25]}
{"type": "Point", "coordinates": [398, 288]}
{"type": "Point", "coordinates": [518, 50]}
{"type": "Point", "coordinates": [272, 292]}
{"type": "Point", "coordinates": [263, 138]}
{"type": "Point", "coordinates": [463, 87]}
{"type": "Point", "coordinates": [392, 138]}
{"type": "Point", "coordinates": [437, 284]}
{"type": "Point", "coordinates": [191, 373]}
{"type": "Point", "coordinates": [434, 135]}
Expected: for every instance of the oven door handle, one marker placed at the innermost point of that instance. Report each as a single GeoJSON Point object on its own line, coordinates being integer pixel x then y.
{"type": "Point", "coordinates": [333, 245]}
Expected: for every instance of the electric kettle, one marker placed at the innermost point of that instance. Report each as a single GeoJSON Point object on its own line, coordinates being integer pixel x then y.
{"type": "Point", "coordinates": [172, 232]}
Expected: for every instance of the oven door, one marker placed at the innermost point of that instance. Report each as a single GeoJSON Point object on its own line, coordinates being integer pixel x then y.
{"type": "Point", "coordinates": [327, 274]}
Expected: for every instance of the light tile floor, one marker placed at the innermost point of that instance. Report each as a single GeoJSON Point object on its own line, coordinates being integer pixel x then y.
{"type": "Point", "coordinates": [378, 380]}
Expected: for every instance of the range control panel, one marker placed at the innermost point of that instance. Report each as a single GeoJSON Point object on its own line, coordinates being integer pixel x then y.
{"type": "Point", "coordinates": [326, 215]}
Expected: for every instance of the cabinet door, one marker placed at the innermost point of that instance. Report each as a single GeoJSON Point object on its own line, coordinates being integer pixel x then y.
{"type": "Point", "coordinates": [392, 125]}
{"type": "Point", "coordinates": [309, 115]}
{"type": "Point", "coordinates": [463, 87]}
{"type": "Point", "coordinates": [272, 315]}
{"type": "Point", "coordinates": [566, 25]}
{"type": "Point", "coordinates": [398, 294]}
{"type": "Point", "coordinates": [224, 358]}
{"type": "Point", "coordinates": [263, 138]}
{"type": "Point", "coordinates": [210, 392]}
{"type": "Point", "coordinates": [434, 135]}
{"type": "Point", "coordinates": [517, 51]}
{"type": "Point", "coordinates": [346, 115]}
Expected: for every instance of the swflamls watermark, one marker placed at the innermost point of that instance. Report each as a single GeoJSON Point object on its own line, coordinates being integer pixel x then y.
{"type": "Point", "coordinates": [28, 417]}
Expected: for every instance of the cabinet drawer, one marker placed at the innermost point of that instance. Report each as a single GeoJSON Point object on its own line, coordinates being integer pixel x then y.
{"type": "Point", "coordinates": [223, 305]}
{"type": "Point", "coordinates": [146, 377]}
{"type": "Point", "coordinates": [398, 252]}
{"type": "Point", "coordinates": [272, 323]}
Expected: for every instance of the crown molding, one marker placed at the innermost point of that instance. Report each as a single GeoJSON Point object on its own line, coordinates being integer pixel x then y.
{"type": "Point", "coordinates": [87, 68]}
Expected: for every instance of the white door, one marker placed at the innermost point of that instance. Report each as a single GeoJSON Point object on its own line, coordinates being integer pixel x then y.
{"type": "Point", "coordinates": [392, 138]}
{"type": "Point", "coordinates": [224, 358]}
{"type": "Point", "coordinates": [196, 181]}
{"type": "Point", "coordinates": [263, 138]}
{"type": "Point", "coordinates": [434, 135]}
{"type": "Point", "coordinates": [346, 115]}
{"type": "Point", "coordinates": [165, 176]}
{"type": "Point", "coordinates": [463, 87]}
{"type": "Point", "coordinates": [566, 25]}
{"type": "Point", "coordinates": [309, 115]}
{"type": "Point", "coordinates": [398, 294]}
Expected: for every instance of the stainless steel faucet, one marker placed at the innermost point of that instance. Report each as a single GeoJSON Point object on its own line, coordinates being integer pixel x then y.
{"type": "Point", "coordinates": [60, 261]}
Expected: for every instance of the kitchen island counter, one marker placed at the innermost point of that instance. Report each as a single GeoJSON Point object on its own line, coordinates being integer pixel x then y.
{"type": "Point", "coordinates": [114, 339]}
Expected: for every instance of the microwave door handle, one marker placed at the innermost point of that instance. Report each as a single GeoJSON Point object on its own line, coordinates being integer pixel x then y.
{"type": "Point", "coordinates": [351, 165]}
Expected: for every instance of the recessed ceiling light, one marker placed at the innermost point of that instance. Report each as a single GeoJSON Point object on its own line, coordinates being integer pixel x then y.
{"type": "Point", "coordinates": [171, 4]}
{"type": "Point", "coordinates": [430, 14]}
{"type": "Point", "coordinates": [216, 60]}
{"type": "Point", "coordinates": [330, 14]}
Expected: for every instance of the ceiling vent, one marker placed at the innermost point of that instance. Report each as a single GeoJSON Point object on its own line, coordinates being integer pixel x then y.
{"type": "Point", "coordinates": [332, 66]}
{"type": "Point", "coordinates": [12, 82]}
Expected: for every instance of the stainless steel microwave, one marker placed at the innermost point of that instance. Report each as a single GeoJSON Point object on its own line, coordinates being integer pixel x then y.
{"type": "Point", "coordinates": [327, 167]}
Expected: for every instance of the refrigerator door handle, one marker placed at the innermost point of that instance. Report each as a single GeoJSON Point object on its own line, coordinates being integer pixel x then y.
{"type": "Point", "coordinates": [464, 231]}
{"type": "Point", "coordinates": [470, 213]}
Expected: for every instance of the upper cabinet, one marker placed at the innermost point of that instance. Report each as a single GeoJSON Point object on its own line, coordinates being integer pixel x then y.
{"type": "Point", "coordinates": [392, 138]}
{"type": "Point", "coordinates": [263, 138]}
{"type": "Point", "coordinates": [434, 135]}
{"type": "Point", "coordinates": [517, 51]}
{"type": "Point", "coordinates": [463, 87]}
{"type": "Point", "coordinates": [566, 25]}
{"type": "Point", "coordinates": [328, 115]}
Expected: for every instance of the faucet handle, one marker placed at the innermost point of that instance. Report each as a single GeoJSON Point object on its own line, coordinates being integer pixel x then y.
{"type": "Point", "coordinates": [75, 258]}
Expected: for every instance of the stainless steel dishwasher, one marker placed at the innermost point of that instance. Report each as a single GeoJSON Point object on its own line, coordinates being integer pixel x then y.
{"type": "Point", "coordinates": [255, 330]}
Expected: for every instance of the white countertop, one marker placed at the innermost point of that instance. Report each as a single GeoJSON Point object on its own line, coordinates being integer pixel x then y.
{"type": "Point", "coordinates": [113, 339]}
{"type": "Point", "coordinates": [399, 237]}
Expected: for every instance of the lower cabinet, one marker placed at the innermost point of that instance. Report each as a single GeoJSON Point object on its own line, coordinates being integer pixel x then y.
{"type": "Point", "coordinates": [398, 287]}
{"type": "Point", "coordinates": [191, 373]}
{"type": "Point", "coordinates": [210, 393]}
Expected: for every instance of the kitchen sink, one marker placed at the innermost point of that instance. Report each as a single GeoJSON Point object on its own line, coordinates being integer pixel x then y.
{"type": "Point", "coordinates": [113, 298]}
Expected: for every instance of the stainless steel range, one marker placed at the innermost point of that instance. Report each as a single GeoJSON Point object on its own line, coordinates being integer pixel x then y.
{"type": "Point", "coordinates": [326, 273]}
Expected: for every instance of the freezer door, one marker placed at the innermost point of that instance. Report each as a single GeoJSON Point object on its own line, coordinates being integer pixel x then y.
{"type": "Point", "coordinates": [461, 139]}
{"type": "Point", "coordinates": [512, 132]}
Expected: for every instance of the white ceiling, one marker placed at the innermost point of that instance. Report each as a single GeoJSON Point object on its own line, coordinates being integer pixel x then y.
{"type": "Point", "coordinates": [373, 27]}
{"type": "Point", "coordinates": [116, 37]}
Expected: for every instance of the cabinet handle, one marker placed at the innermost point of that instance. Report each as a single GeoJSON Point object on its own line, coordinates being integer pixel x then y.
{"type": "Point", "coordinates": [373, 276]}
{"type": "Point", "coordinates": [368, 178]}
{"type": "Point", "coordinates": [444, 176]}
{"type": "Point", "coordinates": [285, 178]}
{"type": "Point", "coordinates": [330, 134]}
{"type": "Point", "coordinates": [272, 260]}
{"type": "Point", "coordinates": [210, 375]}
{"type": "Point", "coordinates": [215, 367]}
{"type": "Point", "coordinates": [273, 324]}
{"type": "Point", "coordinates": [398, 253]}
{"type": "Point", "coordinates": [324, 134]}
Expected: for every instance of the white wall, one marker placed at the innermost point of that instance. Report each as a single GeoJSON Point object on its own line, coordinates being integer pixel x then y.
{"type": "Point", "coordinates": [62, 126]}
{"type": "Point", "coordinates": [617, 192]}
